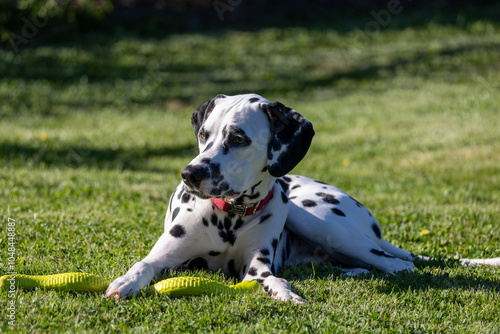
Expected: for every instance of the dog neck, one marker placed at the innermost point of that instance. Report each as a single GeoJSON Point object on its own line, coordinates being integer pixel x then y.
{"type": "Point", "coordinates": [242, 210]}
{"type": "Point", "coordinates": [256, 192]}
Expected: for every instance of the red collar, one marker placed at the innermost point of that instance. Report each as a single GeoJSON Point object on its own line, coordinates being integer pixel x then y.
{"type": "Point", "coordinates": [242, 210]}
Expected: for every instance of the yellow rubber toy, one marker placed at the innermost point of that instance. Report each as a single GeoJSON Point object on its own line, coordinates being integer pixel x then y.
{"type": "Point", "coordinates": [175, 287]}
{"type": "Point", "coordinates": [193, 286]}
{"type": "Point", "coordinates": [59, 282]}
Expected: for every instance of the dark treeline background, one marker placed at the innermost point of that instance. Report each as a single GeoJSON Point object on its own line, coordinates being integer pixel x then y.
{"type": "Point", "coordinates": [65, 19]}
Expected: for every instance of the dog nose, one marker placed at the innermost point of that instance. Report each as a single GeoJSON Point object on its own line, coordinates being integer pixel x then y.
{"type": "Point", "coordinates": [193, 175]}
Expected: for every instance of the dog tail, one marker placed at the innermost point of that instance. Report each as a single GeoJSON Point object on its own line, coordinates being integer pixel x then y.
{"type": "Point", "coordinates": [495, 262]}
{"type": "Point", "coordinates": [404, 255]}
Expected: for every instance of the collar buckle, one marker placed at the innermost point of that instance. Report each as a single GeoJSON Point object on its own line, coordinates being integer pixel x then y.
{"type": "Point", "coordinates": [239, 210]}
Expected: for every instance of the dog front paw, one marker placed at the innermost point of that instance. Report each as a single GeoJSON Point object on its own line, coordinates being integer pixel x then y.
{"type": "Point", "coordinates": [287, 295]}
{"type": "Point", "coordinates": [122, 287]}
{"type": "Point", "coordinates": [128, 285]}
{"type": "Point", "coordinates": [280, 289]}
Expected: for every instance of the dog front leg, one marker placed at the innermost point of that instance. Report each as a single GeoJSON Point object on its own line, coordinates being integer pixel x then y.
{"type": "Point", "coordinates": [165, 254]}
{"type": "Point", "coordinates": [259, 269]}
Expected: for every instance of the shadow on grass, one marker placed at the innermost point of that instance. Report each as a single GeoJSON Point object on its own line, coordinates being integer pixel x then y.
{"type": "Point", "coordinates": [402, 281]}
{"type": "Point", "coordinates": [153, 73]}
{"type": "Point", "coordinates": [424, 281]}
{"type": "Point", "coordinates": [135, 86]}
{"type": "Point", "coordinates": [91, 157]}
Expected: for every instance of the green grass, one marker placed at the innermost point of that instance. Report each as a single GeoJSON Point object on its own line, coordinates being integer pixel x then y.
{"type": "Point", "coordinates": [93, 137]}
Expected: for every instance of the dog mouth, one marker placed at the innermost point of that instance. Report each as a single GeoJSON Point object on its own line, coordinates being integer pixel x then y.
{"type": "Point", "coordinates": [217, 193]}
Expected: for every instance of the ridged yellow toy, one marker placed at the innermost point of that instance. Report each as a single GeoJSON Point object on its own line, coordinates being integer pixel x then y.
{"type": "Point", "coordinates": [193, 286]}
{"type": "Point", "coordinates": [59, 282]}
{"type": "Point", "coordinates": [175, 287]}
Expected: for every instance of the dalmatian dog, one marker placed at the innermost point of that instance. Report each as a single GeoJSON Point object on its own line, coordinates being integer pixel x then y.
{"type": "Point", "coordinates": [236, 208]}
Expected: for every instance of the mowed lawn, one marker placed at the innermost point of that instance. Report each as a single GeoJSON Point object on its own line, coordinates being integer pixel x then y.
{"type": "Point", "coordinates": [94, 134]}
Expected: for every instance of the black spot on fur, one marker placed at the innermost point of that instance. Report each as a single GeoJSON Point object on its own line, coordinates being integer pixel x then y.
{"type": "Point", "coordinates": [380, 253]}
{"type": "Point", "coordinates": [204, 221]}
{"type": "Point", "coordinates": [177, 231]}
{"type": "Point", "coordinates": [253, 99]}
{"type": "Point", "coordinates": [287, 179]}
{"type": "Point", "coordinates": [328, 198]}
{"type": "Point", "coordinates": [264, 169]}
{"type": "Point", "coordinates": [265, 217]}
{"type": "Point", "coordinates": [224, 186]}
{"type": "Point", "coordinates": [231, 267]}
{"type": "Point", "coordinates": [228, 236]}
{"type": "Point", "coordinates": [215, 174]}
{"type": "Point", "coordinates": [213, 219]}
{"type": "Point", "coordinates": [240, 200]}
{"type": "Point", "coordinates": [320, 182]}
{"type": "Point", "coordinates": [377, 230]}
{"type": "Point", "coordinates": [239, 223]}
{"type": "Point", "coordinates": [266, 274]}
{"type": "Point", "coordinates": [264, 260]}
{"type": "Point", "coordinates": [296, 186]}
{"type": "Point", "coordinates": [196, 263]}
{"type": "Point", "coordinates": [284, 198]}
{"type": "Point", "coordinates": [227, 223]}
{"type": "Point", "coordinates": [283, 184]}
{"type": "Point", "coordinates": [252, 190]}
{"type": "Point", "coordinates": [264, 251]}
{"type": "Point", "coordinates": [252, 271]}
{"type": "Point", "coordinates": [308, 203]}
{"type": "Point", "coordinates": [225, 231]}
{"type": "Point", "coordinates": [292, 197]}
{"type": "Point", "coordinates": [209, 146]}
{"type": "Point", "coordinates": [175, 213]}
{"type": "Point", "coordinates": [186, 197]}
{"type": "Point", "coordinates": [338, 212]}
{"type": "Point", "coordinates": [213, 253]}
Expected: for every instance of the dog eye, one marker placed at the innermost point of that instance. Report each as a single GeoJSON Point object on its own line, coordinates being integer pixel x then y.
{"type": "Point", "coordinates": [239, 140]}
{"type": "Point", "coordinates": [202, 136]}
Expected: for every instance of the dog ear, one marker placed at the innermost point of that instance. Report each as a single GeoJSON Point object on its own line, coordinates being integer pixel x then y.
{"type": "Point", "coordinates": [291, 136]}
{"type": "Point", "coordinates": [202, 112]}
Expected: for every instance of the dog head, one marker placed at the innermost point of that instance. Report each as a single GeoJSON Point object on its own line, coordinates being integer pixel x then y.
{"type": "Point", "coordinates": [245, 142]}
